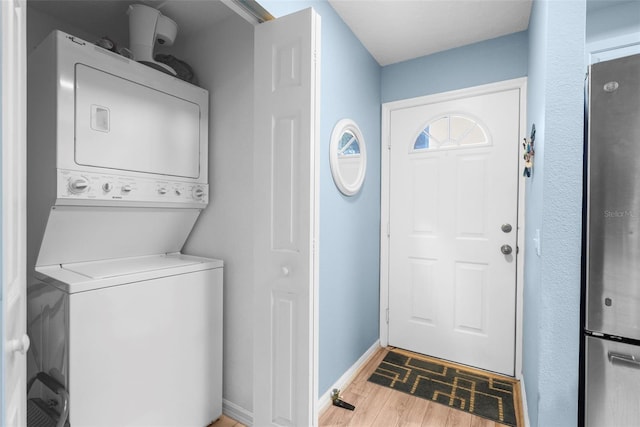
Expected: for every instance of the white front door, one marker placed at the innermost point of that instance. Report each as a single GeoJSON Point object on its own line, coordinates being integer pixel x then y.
{"type": "Point", "coordinates": [286, 194]}
{"type": "Point", "coordinates": [14, 303]}
{"type": "Point", "coordinates": [453, 219]}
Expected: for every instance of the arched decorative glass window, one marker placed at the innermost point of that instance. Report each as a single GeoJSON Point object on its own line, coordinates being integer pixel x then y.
{"type": "Point", "coordinates": [348, 144]}
{"type": "Point", "coordinates": [348, 157]}
{"type": "Point", "coordinates": [450, 131]}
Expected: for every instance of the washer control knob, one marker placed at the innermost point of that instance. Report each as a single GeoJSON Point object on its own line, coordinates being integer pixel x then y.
{"type": "Point", "coordinates": [107, 186]}
{"type": "Point", "coordinates": [78, 185]}
{"type": "Point", "coordinates": [178, 192]}
{"type": "Point", "coordinates": [162, 190]}
{"type": "Point", "coordinates": [126, 188]}
{"type": "Point", "coordinates": [198, 193]}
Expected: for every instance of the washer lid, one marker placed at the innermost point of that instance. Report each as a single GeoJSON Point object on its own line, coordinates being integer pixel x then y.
{"type": "Point", "coordinates": [124, 266]}
{"type": "Point", "coordinates": [86, 276]}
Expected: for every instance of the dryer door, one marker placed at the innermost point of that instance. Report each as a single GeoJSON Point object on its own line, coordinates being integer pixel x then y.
{"type": "Point", "coordinates": [126, 126]}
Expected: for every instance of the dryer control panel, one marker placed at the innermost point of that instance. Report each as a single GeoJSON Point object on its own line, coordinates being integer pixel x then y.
{"type": "Point", "coordinates": [116, 189]}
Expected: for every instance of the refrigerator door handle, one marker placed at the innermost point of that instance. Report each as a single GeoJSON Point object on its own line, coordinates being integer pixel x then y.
{"type": "Point", "coordinates": [627, 360]}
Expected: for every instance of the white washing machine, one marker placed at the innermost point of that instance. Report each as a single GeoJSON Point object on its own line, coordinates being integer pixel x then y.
{"type": "Point", "coordinates": [137, 341]}
{"type": "Point", "coordinates": [129, 328]}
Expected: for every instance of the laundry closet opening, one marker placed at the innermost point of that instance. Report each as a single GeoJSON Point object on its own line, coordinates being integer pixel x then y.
{"type": "Point", "coordinates": [215, 44]}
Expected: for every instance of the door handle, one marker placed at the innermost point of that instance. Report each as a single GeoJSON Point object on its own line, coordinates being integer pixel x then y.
{"type": "Point", "coordinates": [627, 360]}
{"type": "Point", "coordinates": [506, 249]}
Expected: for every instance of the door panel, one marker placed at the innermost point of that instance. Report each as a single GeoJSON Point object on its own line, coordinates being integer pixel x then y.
{"type": "Point", "coordinates": [470, 298]}
{"type": "Point", "coordinates": [471, 196]}
{"type": "Point", "coordinates": [424, 177]}
{"type": "Point", "coordinates": [285, 234]}
{"type": "Point", "coordinates": [285, 191]}
{"type": "Point", "coordinates": [453, 183]}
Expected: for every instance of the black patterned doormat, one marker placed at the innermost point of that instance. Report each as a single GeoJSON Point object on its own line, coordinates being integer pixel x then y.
{"type": "Point", "coordinates": [480, 393]}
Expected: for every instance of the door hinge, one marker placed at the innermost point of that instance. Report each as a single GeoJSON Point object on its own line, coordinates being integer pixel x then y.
{"type": "Point", "coordinates": [387, 315]}
{"type": "Point", "coordinates": [388, 229]}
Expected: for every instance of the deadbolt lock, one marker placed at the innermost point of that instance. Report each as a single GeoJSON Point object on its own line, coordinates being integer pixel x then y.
{"type": "Point", "coordinates": [506, 228]}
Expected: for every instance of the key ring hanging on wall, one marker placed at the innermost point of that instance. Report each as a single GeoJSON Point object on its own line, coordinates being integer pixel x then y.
{"type": "Point", "coordinates": [529, 152]}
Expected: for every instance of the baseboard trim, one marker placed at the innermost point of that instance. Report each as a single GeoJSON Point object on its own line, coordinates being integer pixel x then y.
{"type": "Point", "coordinates": [523, 396]}
{"type": "Point", "coordinates": [237, 412]}
{"type": "Point", "coordinates": [347, 377]}
{"type": "Point", "coordinates": [245, 417]}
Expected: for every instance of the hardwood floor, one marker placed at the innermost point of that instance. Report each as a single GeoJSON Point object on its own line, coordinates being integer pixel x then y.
{"type": "Point", "coordinates": [225, 421]}
{"type": "Point", "coordinates": [384, 407]}
{"type": "Point", "coordinates": [378, 406]}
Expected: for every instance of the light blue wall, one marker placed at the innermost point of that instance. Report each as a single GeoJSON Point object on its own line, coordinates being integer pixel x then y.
{"type": "Point", "coordinates": [494, 60]}
{"type": "Point", "coordinates": [554, 206]}
{"type": "Point", "coordinates": [536, 80]}
{"type": "Point", "coordinates": [2, 408]}
{"type": "Point", "coordinates": [620, 19]}
{"type": "Point", "coordinates": [349, 226]}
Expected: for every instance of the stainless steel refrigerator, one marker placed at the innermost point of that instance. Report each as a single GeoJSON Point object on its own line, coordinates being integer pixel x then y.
{"type": "Point", "coordinates": [612, 268]}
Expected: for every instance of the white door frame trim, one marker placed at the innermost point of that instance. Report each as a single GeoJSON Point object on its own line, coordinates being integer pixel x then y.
{"type": "Point", "coordinates": [387, 108]}
{"type": "Point", "coordinates": [13, 52]}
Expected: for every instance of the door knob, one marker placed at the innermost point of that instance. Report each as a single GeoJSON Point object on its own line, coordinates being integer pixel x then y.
{"type": "Point", "coordinates": [19, 345]}
{"type": "Point", "coordinates": [506, 249]}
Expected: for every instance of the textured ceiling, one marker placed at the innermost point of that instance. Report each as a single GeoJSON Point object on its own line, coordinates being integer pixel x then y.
{"type": "Point", "coordinates": [399, 30]}
{"type": "Point", "coordinates": [391, 30]}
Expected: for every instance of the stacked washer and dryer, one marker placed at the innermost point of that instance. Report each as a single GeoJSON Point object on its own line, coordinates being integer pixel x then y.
{"type": "Point", "coordinates": [117, 175]}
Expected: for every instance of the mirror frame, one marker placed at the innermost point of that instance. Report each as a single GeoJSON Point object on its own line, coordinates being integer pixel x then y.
{"type": "Point", "coordinates": [343, 126]}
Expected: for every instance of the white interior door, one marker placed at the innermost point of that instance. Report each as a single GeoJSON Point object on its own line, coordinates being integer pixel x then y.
{"type": "Point", "coordinates": [453, 213]}
{"type": "Point", "coordinates": [14, 305]}
{"type": "Point", "coordinates": [286, 189]}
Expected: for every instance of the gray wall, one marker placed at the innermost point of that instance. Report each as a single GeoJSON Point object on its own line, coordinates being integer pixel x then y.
{"type": "Point", "coordinates": [39, 25]}
{"type": "Point", "coordinates": [223, 59]}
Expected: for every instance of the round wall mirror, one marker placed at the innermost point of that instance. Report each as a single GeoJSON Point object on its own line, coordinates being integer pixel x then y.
{"type": "Point", "coordinates": [347, 157]}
